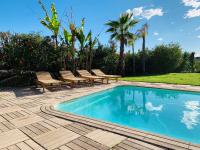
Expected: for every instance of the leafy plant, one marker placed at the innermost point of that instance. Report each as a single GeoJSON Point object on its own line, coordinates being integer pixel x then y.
{"type": "Point", "coordinates": [52, 23]}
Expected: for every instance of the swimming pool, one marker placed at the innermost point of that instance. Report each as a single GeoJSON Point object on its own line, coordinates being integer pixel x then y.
{"type": "Point", "coordinates": [171, 113]}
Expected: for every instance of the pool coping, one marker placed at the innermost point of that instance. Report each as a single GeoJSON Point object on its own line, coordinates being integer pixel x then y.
{"type": "Point", "coordinates": [155, 139]}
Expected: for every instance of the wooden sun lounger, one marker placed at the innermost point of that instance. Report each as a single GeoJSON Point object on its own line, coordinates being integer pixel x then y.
{"type": "Point", "coordinates": [100, 73]}
{"type": "Point", "coordinates": [45, 80]}
{"type": "Point", "coordinates": [69, 77]}
{"type": "Point", "coordinates": [89, 76]}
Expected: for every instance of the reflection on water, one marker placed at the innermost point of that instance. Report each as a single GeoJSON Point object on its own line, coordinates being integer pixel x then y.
{"type": "Point", "coordinates": [166, 112]}
{"type": "Point", "coordinates": [191, 117]}
{"type": "Point", "coordinates": [150, 107]}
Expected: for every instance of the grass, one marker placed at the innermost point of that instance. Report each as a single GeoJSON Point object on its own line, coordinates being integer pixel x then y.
{"type": "Point", "coordinates": [171, 78]}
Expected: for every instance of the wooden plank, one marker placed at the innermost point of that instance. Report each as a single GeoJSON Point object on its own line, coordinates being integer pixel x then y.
{"type": "Point", "coordinates": [56, 138]}
{"type": "Point", "coordinates": [8, 125]}
{"type": "Point", "coordinates": [52, 123]}
{"type": "Point", "coordinates": [74, 146]}
{"type": "Point", "coordinates": [76, 130]}
{"type": "Point", "coordinates": [2, 119]}
{"type": "Point", "coordinates": [11, 137]}
{"type": "Point", "coordinates": [140, 144]}
{"type": "Point", "coordinates": [26, 120]}
{"type": "Point", "coordinates": [13, 147]}
{"type": "Point", "coordinates": [10, 109]}
{"type": "Point", "coordinates": [83, 144]}
{"type": "Point", "coordinates": [34, 129]}
{"type": "Point", "coordinates": [7, 117]}
{"type": "Point", "coordinates": [93, 143]}
{"type": "Point", "coordinates": [40, 127]}
{"type": "Point", "coordinates": [64, 147]}
{"type": "Point", "coordinates": [59, 121]}
{"type": "Point", "coordinates": [28, 132]}
{"type": "Point", "coordinates": [106, 138]}
{"type": "Point", "coordinates": [3, 128]}
{"type": "Point", "coordinates": [24, 146]}
{"type": "Point", "coordinates": [127, 147]}
{"type": "Point", "coordinates": [33, 145]}
{"type": "Point", "coordinates": [46, 125]}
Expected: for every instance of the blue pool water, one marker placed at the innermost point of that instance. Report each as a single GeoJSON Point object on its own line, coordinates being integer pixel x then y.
{"type": "Point", "coordinates": [171, 113]}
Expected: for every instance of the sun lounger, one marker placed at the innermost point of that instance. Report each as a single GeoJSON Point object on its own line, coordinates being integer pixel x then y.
{"type": "Point", "coordinates": [89, 76]}
{"type": "Point", "coordinates": [69, 77]}
{"type": "Point", "coordinates": [45, 80]}
{"type": "Point", "coordinates": [100, 73]}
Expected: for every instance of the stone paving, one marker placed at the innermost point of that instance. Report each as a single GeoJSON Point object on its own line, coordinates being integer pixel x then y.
{"type": "Point", "coordinates": [24, 126]}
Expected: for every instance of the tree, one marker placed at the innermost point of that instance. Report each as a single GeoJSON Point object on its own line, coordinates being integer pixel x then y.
{"type": "Point", "coordinates": [83, 40]}
{"type": "Point", "coordinates": [91, 45]}
{"type": "Point", "coordinates": [52, 23]}
{"type": "Point", "coordinates": [142, 33]}
{"type": "Point", "coordinates": [192, 61]}
{"type": "Point", "coordinates": [70, 38]}
{"type": "Point", "coordinates": [120, 31]}
{"type": "Point", "coordinates": [132, 44]}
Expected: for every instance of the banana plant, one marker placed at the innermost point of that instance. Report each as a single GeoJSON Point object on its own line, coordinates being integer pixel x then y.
{"type": "Point", "coordinates": [70, 38]}
{"type": "Point", "coordinates": [91, 45]}
{"type": "Point", "coordinates": [52, 23]}
{"type": "Point", "coordinates": [83, 41]}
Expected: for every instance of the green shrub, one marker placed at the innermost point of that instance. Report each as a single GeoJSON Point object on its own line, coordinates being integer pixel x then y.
{"type": "Point", "coordinates": [105, 58]}
{"type": "Point", "coordinates": [166, 58]}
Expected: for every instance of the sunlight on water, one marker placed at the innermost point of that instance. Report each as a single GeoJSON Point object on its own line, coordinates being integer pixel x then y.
{"type": "Point", "coordinates": [167, 112]}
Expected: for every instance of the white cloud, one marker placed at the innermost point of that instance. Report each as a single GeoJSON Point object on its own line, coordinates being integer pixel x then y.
{"type": "Point", "coordinates": [147, 14]}
{"type": "Point", "coordinates": [155, 33]}
{"type": "Point", "coordinates": [198, 36]}
{"type": "Point", "coordinates": [137, 11]}
{"type": "Point", "coordinates": [195, 11]}
{"type": "Point", "coordinates": [192, 13]}
{"type": "Point", "coordinates": [192, 3]}
{"type": "Point", "coordinates": [160, 39]}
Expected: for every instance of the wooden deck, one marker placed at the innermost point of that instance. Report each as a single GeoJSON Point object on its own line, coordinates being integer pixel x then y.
{"type": "Point", "coordinates": [29, 122]}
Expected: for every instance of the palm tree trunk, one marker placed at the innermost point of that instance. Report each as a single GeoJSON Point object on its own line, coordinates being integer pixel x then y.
{"type": "Point", "coordinates": [86, 59]}
{"type": "Point", "coordinates": [73, 47]}
{"type": "Point", "coordinates": [90, 61]}
{"type": "Point", "coordinates": [143, 55]}
{"type": "Point", "coordinates": [121, 66]}
{"type": "Point", "coordinates": [133, 51]}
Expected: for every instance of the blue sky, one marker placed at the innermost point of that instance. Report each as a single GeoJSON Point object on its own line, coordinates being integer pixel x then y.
{"type": "Point", "coordinates": [175, 21]}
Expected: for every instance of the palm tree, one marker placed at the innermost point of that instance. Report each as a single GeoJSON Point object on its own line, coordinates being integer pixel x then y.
{"type": "Point", "coordinates": [52, 23]}
{"type": "Point", "coordinates": [142, 33]}
{"type": "Point", "coordinates": [131, 42]}
{"type": "Point", "coordinates": [120, 31]}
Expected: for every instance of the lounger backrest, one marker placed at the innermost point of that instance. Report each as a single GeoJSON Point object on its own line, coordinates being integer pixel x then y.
{"type": "Point", "coordinates": [84, 73]}
{"type": "Point", "coordinates": [66, 74]}
{"type": "Point", "coordinates": [43, 76]}
{"type": "Point", "coordinates": [98, 72]}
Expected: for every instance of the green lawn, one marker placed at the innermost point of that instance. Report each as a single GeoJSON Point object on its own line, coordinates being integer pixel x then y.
{"type": "Point", "coordinates": [173, 78]}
